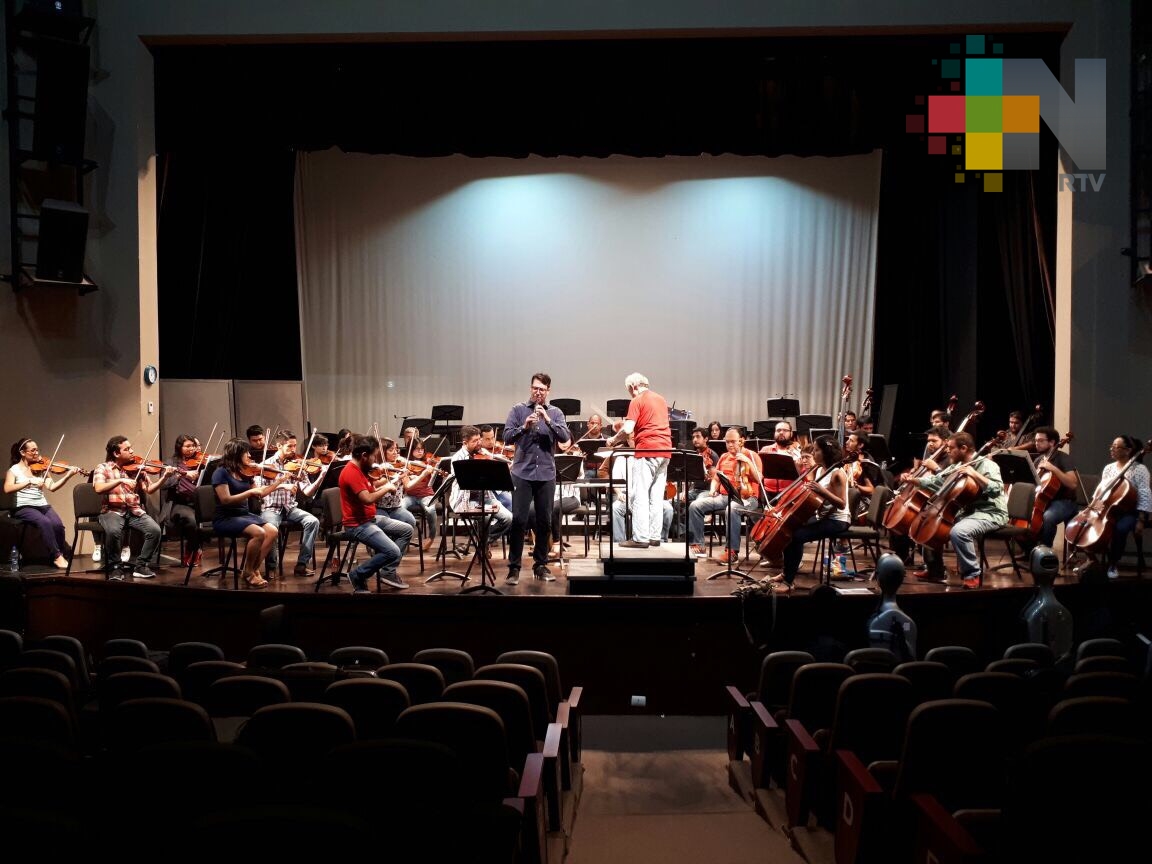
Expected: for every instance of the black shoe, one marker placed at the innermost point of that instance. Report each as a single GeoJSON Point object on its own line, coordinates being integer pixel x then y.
{"type": "Point", "coordinates": [633, 544]}
{"type": "Point", "coordinates": [653, 542]}
{"type": "Point", "coordinates": [513, 577]}
{"type": "Point", "coordinates": [541, 571]}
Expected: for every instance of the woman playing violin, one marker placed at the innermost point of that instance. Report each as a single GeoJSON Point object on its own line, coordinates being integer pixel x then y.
{"type": "Point", "coordinates": [419, 494]}
{"type": "Point", "coordinates": [233, 482]}
{"type": "Point", "coordinates": [1123, 451]}
{"type": "Point", "coordinates": [395, 472]}
{"type": "Point", "coordinates": [31, 505]}
{"type": "Point", "coordinates": [121, 480]}
{"type": "Point", "coordinates": [180, 489]}
{"type": "Point", "coordinates": [829, 482]}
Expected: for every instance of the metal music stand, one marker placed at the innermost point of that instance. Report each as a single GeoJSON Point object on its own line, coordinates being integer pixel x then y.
{"type": "Point", "coordinates": [436, 445]}
{"type": "Point", "coordinates": [617, 407]}
{"type": "Point", "coordinates": [877, 447]}
{"type": "Point", "coordinates": [681, 431]}
{"type": "Point", "coordinates": [568, 407]}
{"type": "Point", "coordinates": [445, 414]}
{"type": "Point", "coordinates": [732, 492]}
{"type": "Point", "coordinates": [805, 423]}
{"type": "Point", "coordinates": [423, 427]}
{"type": "Point", "coordinates": [442, 553]}
{"type": "Point", "coordinates": [481, 475]}
{"type": "Point", "coordinates": [814, 434]}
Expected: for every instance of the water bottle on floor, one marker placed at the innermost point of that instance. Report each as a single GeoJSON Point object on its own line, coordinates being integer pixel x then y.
{"type": "Point", "coordinates": [14, 560]}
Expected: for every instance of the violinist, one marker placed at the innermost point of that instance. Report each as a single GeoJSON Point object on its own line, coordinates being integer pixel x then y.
{"type": "Point", "coordinates": [715, 431]}
{"type": "Point", "coordinates": [745, 470]}
{"type": "Point", "coordinates": [386, 537]}
{"type": "Point", "coordinates": [419, 496]}
{"type": "Point", "coordinates": [1126, 450]}
{"type": "Point", "coordinates": [850, 421]}
{"type": "Point", "coordinates": [395, 472]}
{"type": "Point", "coordinates": [179, 491]}
{"type": "Point", "coordinates": [830, 482]}
{"type": "Point", "coordinates": [1063, 505]}
{"type": "Point", "coordinates": [594, 432]}
{"type": "Point", "coordinates": [282, 504]}
{"type": "Point", "coordinates": [987, 512]}
{"type": "Point", "coordinates": [31, 505]}
{"type": "Point", "coordinates": [535, 428]}
{"type": "Point", "coordinates": [344, 441]}
{"type": "Point", "coordinates": [233, 482]}
{"type": "Point", "coordinates": [489, 449]}
{"type": "Point", "coordinates": [256, 440]}
{"type": "Point", "coordinates": [122, 506]}
{"type": "Point", "coordinates": [1016, 437]}
{"type": "Point", "coordinates": [466, 499]}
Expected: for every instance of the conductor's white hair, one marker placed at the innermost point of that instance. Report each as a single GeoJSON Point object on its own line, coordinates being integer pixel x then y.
{"type": "Point", "coordinates": [635, 380]}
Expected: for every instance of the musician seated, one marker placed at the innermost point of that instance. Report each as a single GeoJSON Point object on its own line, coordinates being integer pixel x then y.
{"type": "Point", "coordinates": [934, 460]}
{"type": "Point", "coordinates": [491, 447]}
{"type": "Point", "coordinates": [783, 441]}
{"type": "Point", "coordinates": [256, 436]}
{"type": "Point", "coordinates": [1126, 452]}
{"type": "Point", "coordinates": [867, 426]}
{"type": "Point", "coordinates": [1064, 478]}
{"type": "Point", "coordinates": [986, 512]}
{"type": "Point", "coordinates": [419, 496]}
{"type": "Point", "coordinates": [745, 471]}
{"type": "Point", "coordinates": [831, 519]}
{"type": "Point", "coordinates": [621, 473]}
{"type": "Point", "coordinates": [465, 500]}
{"type": "Point", "coordinates": [284, 505]}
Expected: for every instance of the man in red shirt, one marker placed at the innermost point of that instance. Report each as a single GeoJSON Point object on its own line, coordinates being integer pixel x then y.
{"type": "Point", "coordinates": [387, 537]}
{"type": "Point", "coordinates": [647, 423]}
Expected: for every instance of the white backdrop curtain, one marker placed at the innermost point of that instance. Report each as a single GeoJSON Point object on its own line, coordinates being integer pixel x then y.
{"type": "Point", "coordinates": [726, 280]}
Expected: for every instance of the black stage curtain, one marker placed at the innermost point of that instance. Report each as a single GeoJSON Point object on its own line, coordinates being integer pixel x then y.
{"type": "Point", "coordinates": [961, 305]}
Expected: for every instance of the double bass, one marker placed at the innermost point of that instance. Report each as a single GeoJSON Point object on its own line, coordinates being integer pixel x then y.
{"type": "Point", "coordinates": [1091, 529]}
{"type": "Point", "coordinates": [1047, 488]}
{"type": "Point", "coordinates": [911, 498]}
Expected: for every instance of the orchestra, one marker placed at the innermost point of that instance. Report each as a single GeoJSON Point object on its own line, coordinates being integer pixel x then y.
{"type": "Point", "coordinates": [949, 494]}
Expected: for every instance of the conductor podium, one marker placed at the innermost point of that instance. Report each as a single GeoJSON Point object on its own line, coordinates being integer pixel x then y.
{"type": "Point", "coordinates": [666, 569]}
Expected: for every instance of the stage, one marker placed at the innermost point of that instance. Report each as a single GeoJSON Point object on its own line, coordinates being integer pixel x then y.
{"type": "Point", "coordinates": [622, 637]}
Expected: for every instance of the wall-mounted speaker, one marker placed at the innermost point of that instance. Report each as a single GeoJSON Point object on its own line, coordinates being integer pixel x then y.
{"type": "Point", "coordinates": [61, 101]}
{"type": "Point", "coordinates": [62, 237]}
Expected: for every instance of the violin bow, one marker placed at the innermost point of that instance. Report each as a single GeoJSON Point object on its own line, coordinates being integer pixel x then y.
{"type": "Point", "coordinates": [147, 453]}
{"type": "Point", "coordinates": [55, 453]}
{"type": "Point", "coordinates": [302, 470]}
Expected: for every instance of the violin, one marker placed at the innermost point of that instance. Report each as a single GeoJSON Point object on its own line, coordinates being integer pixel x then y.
{"type": "Point", "coordinates": [1091, 529]}
{"type": "Point", "coordinates": [139, 466]}
{"type": "Point", "coordinates": [1047, 487]}
{"type": "Point", "coordinates": [911, 498]}
{"type": "Point", "coordinates": [199, 461]}
{"type": "Point", "coordinates": [268, 472]}
{"type": "Point", "coordinates": [54, 467]}
{"type": "Point", "coordinates": [311, 467]}
{"type": "Point", "coordinates": [384, 470]}
{"type": "Point", "coordinates": [421, 467]}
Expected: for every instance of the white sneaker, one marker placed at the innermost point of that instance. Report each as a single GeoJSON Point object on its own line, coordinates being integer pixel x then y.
{"type": "Point", "coordinates": [1113, 573]}
{"type": "Point", "coordinates": [125, 554]}
{"type": "Point", "coordinates": [97, 554]}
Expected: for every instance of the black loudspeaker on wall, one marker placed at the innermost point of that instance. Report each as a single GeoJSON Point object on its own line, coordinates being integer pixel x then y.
{"type": "Point", "coordinates": [60, 249]}
{"type": "Point", "coordinates": [61, 101]}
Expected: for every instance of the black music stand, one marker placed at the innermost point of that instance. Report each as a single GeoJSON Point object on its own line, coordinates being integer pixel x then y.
{"type": "Point", "coordinates": [436, 445]}
{"type": "Point", "coordinates": [683, 468]}
{"type": "Point", "coordinates": [444, 414]}
{"type": "Point", "coordinates": [681, 431]}
{"type": "Point", "coordinates": [1015, 467]}
{"type": "Point", "coordinates": [481, 475]}
{"type": "Point", "coordinates": [732, 492]}
{"type": "Point", "coordinates": [569, 469]}
{"type": "Point", "coordinates": [442, 553]}
{"type": "Point", "coordinates": [568, 407]}
{"type": "Point", "coordinates": [778, 466]}
{"type": "Point", "coordinates": [805, 423]}
{"type": "Point", "coordinates": [423, 427]}
{"type": "Point", "coordinates": [717, 446]}
{"type": "Point", "coordinates": [783, 409]}
{"type": "Point", "coordinates": [617, 407]}
{"type": "Point", "coordinates": [814, 434]}
{"type": "Point", "coordinates": [877, 448]}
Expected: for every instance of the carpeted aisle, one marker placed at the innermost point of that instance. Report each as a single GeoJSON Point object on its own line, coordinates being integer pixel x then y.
{"type": "Point", "coordinates": [660, 803]}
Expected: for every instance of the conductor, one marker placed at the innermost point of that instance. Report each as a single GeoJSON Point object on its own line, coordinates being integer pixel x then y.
{"type": "Point", "coordinates": [647, 423]}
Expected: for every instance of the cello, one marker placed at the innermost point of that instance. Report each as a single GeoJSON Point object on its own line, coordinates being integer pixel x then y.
{"type": "Point", "coordinates": [910, 499]}
{"type": "Point", "coordinates": [1047, 487]}
{"type": "Point", "coordinates": [792, 508]}
{"type": "Point", "coordinates": [933, 524]}
{"type": "Point", "coordinates": [1091, 529]}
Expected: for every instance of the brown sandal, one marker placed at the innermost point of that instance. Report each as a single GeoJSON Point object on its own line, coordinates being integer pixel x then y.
{"type": "Point", "coordinates": [782, 587]}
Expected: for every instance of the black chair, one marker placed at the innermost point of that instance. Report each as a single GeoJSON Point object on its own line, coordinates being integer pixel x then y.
{"type": "Point", "coordinates": [959, 658]}
{"type": "Point", "coordinates": [454, 664]}
{"type": "Point", "coordinates": [424, 683]}
{"type": "Point", "coordinates": [358, 657]}
{"type": "Point", "coordinates": [335, 536]}
{"type": "Point", "coordinates": [372, 703]}
{"type": "Point", "coordinates": [8, 517]}
{"type": "Point", "coordinates": [1020, 498]}
{"type": "Point", "coordinates": [125, 648]}
{"type": "Point", "coordinates": [183, 654]}
{"type": "Point", "coordinates": [230, 560]}
{"type": "Point", "coordinates": [86, 504]}
{"type": "Point", "coordinates": [274, 656]}
{"type": "Point", "coordinates": [11, 644]}
{"type": "Point", "coordinates": [73, 647]}
{"type": "Point", "coordinates": [930, 679]}
{"type": "Point", "coordinates": [1038, 651]}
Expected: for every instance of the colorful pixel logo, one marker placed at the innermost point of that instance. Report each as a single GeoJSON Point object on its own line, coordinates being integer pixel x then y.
{"type": "Point", "coordinates": [995, 120]}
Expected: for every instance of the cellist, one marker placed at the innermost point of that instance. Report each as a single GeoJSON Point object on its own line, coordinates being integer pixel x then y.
{"type": "Point", "coordinates": [1063, 505]}
{"type": "Point", "coordinates": [986, 512]}
{"type": "Point", "coordinates": [830, 482]}
{"type": "Point", "coordinates": [1124, 450]}
{"type": "Point", "coordinates": [901, 544]}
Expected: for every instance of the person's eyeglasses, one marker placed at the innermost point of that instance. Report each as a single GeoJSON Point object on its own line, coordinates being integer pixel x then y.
{"type": "Point", "coordinates": [540, 389]}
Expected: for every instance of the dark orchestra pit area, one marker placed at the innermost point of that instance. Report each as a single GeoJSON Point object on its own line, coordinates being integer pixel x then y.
{"type": "Point", "coordinates": [675, 650]}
